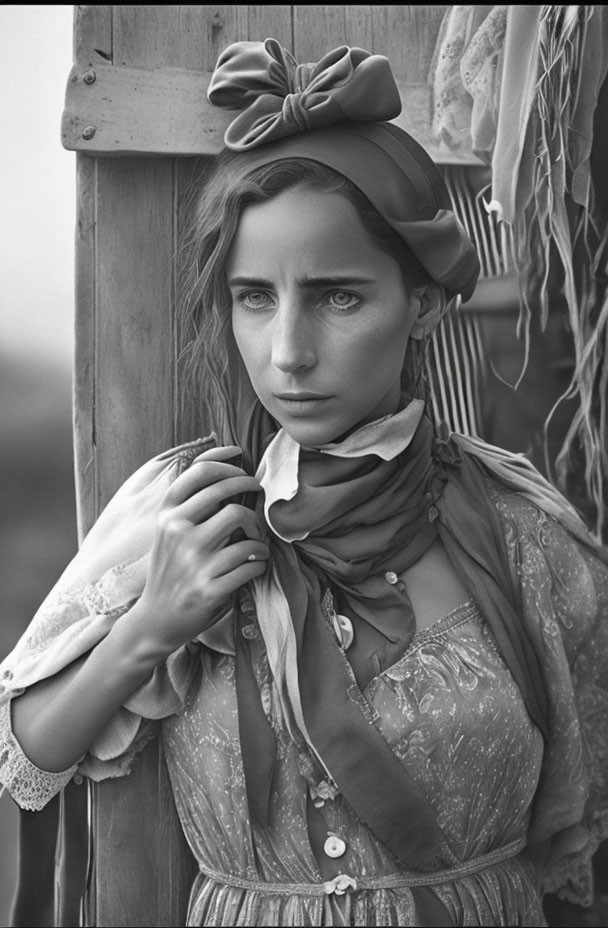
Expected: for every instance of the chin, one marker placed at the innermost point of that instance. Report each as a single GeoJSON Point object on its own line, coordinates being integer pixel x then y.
{"type": "Point", "coordinates": [313, 434]}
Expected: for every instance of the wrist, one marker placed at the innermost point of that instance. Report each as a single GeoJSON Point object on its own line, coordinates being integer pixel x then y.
{"type": "Point", "coordinates": [133, 635]}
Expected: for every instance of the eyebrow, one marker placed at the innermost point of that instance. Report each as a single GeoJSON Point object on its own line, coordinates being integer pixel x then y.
{"type": "Point", "coordinates": [337, 281]}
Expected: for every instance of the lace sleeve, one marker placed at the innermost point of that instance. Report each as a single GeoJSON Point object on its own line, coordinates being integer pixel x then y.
{"type": "Point", "coordinates": [30, 787]}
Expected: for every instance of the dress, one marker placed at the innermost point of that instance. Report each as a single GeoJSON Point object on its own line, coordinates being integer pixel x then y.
{"type": "Point", "coordinates": [449, 708]}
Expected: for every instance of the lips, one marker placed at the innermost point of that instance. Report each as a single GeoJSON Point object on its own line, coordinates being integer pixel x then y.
{"type": "Point", "coordinates": [300, 397]}
{"type": "Point", "coordinates": [300, 402]}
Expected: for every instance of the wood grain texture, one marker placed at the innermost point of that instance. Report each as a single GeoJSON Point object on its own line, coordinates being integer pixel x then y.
{"type": "Point", "coordinates": [144, 869]}
{"type": "Point", "coordinates": [192, 36]}
{"type": "Point", "coordinates": [84, 349]}
{"type": "Point", "coordinates": [71, 855]}
{"type": "Point", "coordinates": [407, 35]}
{"type": "Point", "coordinates": [134, 295]}
{"type": "Point", "coordinates": [92, 35]}
{"type": "Point", "coordinates": [142, 111]}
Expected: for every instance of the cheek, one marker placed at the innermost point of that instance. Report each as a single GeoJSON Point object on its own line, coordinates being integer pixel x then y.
{"type": "Point", "coordinates": [255, 357]}
{"type": "Point", "coordinates": [383, 346]}
{"type": "Point", "coordinates": [246, 343]}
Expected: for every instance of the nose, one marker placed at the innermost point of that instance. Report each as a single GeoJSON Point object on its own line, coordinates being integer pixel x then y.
{"type": "Point", "coordinates": [293, 340]}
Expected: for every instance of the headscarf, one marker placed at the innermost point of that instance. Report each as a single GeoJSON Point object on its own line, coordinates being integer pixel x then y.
{"type": "Point", "coordinates": [335, 112]}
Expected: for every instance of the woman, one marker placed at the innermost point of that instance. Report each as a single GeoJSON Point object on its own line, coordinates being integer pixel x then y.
{"type": "Point", "coordinates": [373, 652]}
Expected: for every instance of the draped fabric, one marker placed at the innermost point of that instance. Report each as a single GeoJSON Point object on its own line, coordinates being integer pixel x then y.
{"type": "Point", "coordinates": [523, 88]}
{"type": "Point", "coordinates": [465, 79]}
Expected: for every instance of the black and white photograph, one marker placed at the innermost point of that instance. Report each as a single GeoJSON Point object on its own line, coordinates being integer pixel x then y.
{"type": "Point", "coordinates": [304, 515]}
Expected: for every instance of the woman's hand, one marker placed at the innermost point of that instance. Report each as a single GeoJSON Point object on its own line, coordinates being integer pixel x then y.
{"type": "Point", "coordinates": [196, 563]}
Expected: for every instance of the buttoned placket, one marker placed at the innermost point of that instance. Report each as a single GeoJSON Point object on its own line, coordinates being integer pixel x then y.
{"type": "Point", "coordinates": [328, 841]}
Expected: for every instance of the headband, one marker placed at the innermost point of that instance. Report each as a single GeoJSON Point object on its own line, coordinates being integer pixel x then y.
{"type": "Point", "coordinates": [335, 112]}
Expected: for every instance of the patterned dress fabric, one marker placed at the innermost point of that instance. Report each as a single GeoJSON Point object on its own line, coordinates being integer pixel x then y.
{"type": "Point", "coordinates": [449, 709]}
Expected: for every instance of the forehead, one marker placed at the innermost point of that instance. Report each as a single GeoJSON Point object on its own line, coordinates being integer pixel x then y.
{"type": "Point", "coordinates": [303, 226]}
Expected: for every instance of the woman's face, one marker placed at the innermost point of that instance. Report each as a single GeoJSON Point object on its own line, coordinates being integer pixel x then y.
{"type": "Point", "coordinates": [320, 314]}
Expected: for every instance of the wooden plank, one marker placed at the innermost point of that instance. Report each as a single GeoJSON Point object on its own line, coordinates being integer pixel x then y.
{"type": "Point", "coordinates": [134, 421]}
{"type": "Point", "coordinates": [135, 236]}
{"type": "Point", "coordinates": [271, 22]}
{"type": "Point", "coordinates": [317, 30]}
{"type": "Point", "coordinates": [407, 35]}
{"type": "Point", "coordinates": [139, 111]}
{"type": "Point", "coordinates": [92, 36]}
{"type": "Point", "coordinates": [92, 46]}
{"type": "Point", "coordinates": [176, 36]}
{"type": "Point", "coordinates": [71, 856]}
{"type": "Point", "coordinates": [84, 349]}
{"type": "Point", "coordinates": [144, 867]}
{"type": "Point", "coordinates": [192, 37]}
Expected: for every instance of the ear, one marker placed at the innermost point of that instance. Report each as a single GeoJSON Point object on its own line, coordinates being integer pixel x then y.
{"type": "Point", "coordinates": [432, 302]}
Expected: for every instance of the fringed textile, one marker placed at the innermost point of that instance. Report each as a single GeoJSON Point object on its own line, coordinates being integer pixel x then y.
{"type": "Point", "coordinates": [528, 81]}
{"type": "Point", "coordinates": [562, 248]}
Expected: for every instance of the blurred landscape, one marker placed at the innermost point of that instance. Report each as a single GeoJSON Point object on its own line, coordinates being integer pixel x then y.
{"type": "Point", "coordinates": [37, 219]}
{"type": "Point", "coordinates": [37, 521]}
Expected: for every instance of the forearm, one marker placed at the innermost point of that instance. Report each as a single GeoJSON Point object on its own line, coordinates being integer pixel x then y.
{"type": "Point", "coordinates": [56, 720]}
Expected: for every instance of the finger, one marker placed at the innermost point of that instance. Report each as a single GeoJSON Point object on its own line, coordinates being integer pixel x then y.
{"type": "Point", "coordinates": [208, 501]}
{"type": "Point", "coordinates": [221, 453]}
{"type": "Point", "coordinates": [197, 477]}
{"type": "Point", "coordinates": [229, 583]}
{"type": "Point", "coordinates": [236, 555]}
{"type": "Point", "coordinates": [216, 531]}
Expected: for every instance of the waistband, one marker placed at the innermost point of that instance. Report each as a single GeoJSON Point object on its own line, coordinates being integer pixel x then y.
{"type": "Point", "coordinates": [346, 883]}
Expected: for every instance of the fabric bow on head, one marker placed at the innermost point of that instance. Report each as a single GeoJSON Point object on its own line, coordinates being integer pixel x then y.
{"type": "Point", "coordinates": [281, 97]}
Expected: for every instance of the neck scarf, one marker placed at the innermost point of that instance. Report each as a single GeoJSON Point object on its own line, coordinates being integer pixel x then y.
{"type": "Point", "coordinates": [344, 515]}
{"type": "Point", "coordinates": [353, 512]}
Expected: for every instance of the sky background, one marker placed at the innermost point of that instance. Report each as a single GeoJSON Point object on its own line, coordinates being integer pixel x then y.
{"type": "Point", "coordinates": [37, 185]}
